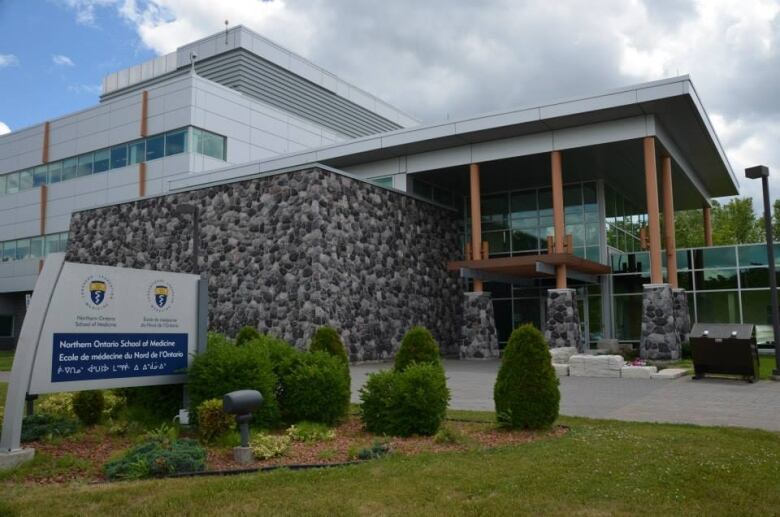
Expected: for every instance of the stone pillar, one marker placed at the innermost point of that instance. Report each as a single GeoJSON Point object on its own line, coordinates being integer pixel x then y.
{"type": "Point", "coordinates": [659, 339]}
{"type": "Point", "coordinates": [563, 321]}
{"type": "Point", "coordinates": [478, 331]}
{"type": "Point", "coordinates": [682, 317]}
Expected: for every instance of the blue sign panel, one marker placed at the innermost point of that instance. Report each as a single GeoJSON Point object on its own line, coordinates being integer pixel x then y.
{"type": "Point", "coordinates": [77, 357]}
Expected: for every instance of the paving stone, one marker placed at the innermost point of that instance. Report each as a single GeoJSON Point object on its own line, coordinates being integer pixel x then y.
{"type": "Point", "coordinates": [561, 370]}
{"type": "Point", "coordinates": [637, 372]}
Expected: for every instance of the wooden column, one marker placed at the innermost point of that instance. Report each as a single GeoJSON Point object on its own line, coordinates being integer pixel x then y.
{"type": "Point", "coordinates": [45, 151]}
{"type": "Point", "coordinates": [707, 213]}
{"type": "Point", "coordinates": [671, 244]}
{"type": "Point", "coordinates": [144, 112]}
{"type": "Point", "coordinates": [559, 222]}
{"type": "Point", "coordinates": [142, 179]}
{"type": "Point", "coordinates": [476, 220]}
{"type": "Point", "coordinates": [653, 215]}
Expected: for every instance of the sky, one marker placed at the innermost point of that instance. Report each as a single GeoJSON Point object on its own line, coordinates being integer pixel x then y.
{"type": "Point", "coordinates": [436, 60]}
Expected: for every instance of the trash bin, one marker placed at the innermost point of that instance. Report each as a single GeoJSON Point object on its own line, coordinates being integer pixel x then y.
{"type": "Point", "coordinates": [724, 349]}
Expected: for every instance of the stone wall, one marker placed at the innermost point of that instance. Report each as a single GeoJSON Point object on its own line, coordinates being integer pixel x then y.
{"type": "Point", "coordinates": [659, 339]}
{"type": "Point", "coordinates": [562, 328]}
{"type": "Point", "coordinates": [479, 338]}
{"type": "Point", "coordinates": [290, 252]}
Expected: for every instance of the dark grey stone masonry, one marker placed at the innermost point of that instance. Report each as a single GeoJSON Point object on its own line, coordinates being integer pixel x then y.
{"type": "Point", "coordinates": [289, 252]}
{"type": "Point", "coordinates": [682, 315]}
{"type": "Point", "coordinates": [563, 321]}
{"type": "Point", "coordinates": [480, 340]}
{"type": "Point", "coordinates": [659, 339]}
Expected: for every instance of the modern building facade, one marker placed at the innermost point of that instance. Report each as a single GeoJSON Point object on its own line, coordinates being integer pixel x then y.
{"type": "Point", "coordinates": [322, 204]}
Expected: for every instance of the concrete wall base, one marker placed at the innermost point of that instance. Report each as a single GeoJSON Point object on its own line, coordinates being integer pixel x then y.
{"type": "Point", "coordinates": [12, 459]}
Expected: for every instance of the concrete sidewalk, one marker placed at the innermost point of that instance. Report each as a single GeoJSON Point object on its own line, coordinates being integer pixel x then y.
{"type": "Point", "coordinates": [702, 402]}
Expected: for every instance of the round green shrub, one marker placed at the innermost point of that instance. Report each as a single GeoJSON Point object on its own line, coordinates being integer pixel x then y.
{"type": "Point", "coordinates": [280, 353]}
{"type": "Point", "coordinates": [417, 346]}
{"type": "Point", "coordinates": [152, 405]}
{"type": "Point", "coordinates": [327, 339]}
{"type": "Point", "coordinates": [212, 421]}
{"type": "Point", "coordinates": [45, 426]}
{"type": "Point", "coordinates": [526, 391]}
{"type": "Point", "coordinates": [60, 404]}
{"type": "Point", "coordinates": [403, 403]}
{"type": "Point", "coordinates": [245, 335]}
{"type": "Point", "coordinates": [157, 457]}
{"type": "Point", "coordinates": [88, 406]}
{"type": "Point", "coordinates": [315, 388]}
{"type": "Point", "coordinates": [225, 367]}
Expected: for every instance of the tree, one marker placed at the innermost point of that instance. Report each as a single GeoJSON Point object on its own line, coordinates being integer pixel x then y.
{"type": "Point", "coordinates": [732, 223]}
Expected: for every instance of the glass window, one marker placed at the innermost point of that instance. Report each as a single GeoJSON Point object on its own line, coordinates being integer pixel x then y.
{"type": "Point", "coordinates": [502, 311]}
{"type": "Point", "coordinates": [9, 251]}
{"type": "Point", "coordinates": [213, 145]}
{"type": "Point", "coordinates": [102, 159]}
{"type": "Point", "coordinates": [498, 289]}
{"type": "Point", "coordinates": [2, 184]}
{"type": "Point", "coordinates": [6, 325]}
{"type": "Point", "coordinates": [756, 309]}
{"type": "Point", "coordinates": [526, 311]}
{"type": "Point", "coordinates": [197, 140]}
{"type": "Point", "coordinates": [716, 279]}
{"type": "Point", "coordinates": [85, 164]}
{"type": "Point", "coordinates": [545, 202]}
{"type": "Point", "coordinates": [136, 152]}
{"type": "Point", "coordinates": [155, 147]}
{"type": "Point", "coordinates": [525, 239]}
{"type": "Point", "coordinates": [524, 207]}
{"type": "Point", "coordinates": [498, 242]}
{"type": "Point", "coordinates": [589, 197]}
{"type": "Point", "coordinates": [52, 243]}
{"type": "Point", "coordinates": [118, 156]}
{"type": "Point", "coordinates": [36, 247]}
{"type": "Point", "coordinates": [714, 257]}
{"type": "Point", "coordinates": [22, 249]}
{"type": "Point", "coordinates": [69, 168]}
{"type": "Point", "coordinates": [628, 317]}
{"type": "Point", "coordinates": [54, 172]}
{"type": "Point", "coordinates": [26, 179]}
{"type": "Point", "coordinates": [495, 212]}
{"type": "Point", "coordinates": [755, 255]}
{"type": "Point", "coordinates": [442, 196]}
{"type": "Point", "coordinates": [717, 307]}
{"type": "Point", "coordinates": [176, 143]}
{"type": "Point", "coordinates": [754, 277]}
{"type": "Point", "coordinates": [629, 284]}
{"type": "Point", "coordinates": [12, 183]}
{"type": "Point", "coordinates": [63, 241]}
{"type": "Point", "coordinates": [685, 280]}
{"type": "Point", "coordinates": [39, 175]}
{"type": "Point", "coordinates": [385, 181]}
{"type": "Point", "coordinates": [422, 189]}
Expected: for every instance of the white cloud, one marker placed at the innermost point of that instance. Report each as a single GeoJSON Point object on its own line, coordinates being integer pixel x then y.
{"type": "Point", "coordinates": [8, 60]}
{"type": "Point", "coordinates": [4, 128]}
{"type": "Point", "coordinates": [85, 9]}
{"type": "Point", "coordinates": [61, 60]}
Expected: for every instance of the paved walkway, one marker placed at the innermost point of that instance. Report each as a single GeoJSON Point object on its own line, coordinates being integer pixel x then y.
{"type": "Point", "coordinates": [701, 402]}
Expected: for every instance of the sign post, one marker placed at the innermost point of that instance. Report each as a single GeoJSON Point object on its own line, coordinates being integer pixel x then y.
{"type": "Point", "coordinates": [98, 327]}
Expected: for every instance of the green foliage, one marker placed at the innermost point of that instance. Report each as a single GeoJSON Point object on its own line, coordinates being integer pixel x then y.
{"type": "Point", "coordinates": [151, 405]}
{"type": "Point", "coordinates": [407, 402]}
{"type": "Point", "coordinates": [225, 367]}
{"type": "Point", "coordinates": [88, 406]}
{"type": "Point", "coordinates": [526, 391]}
{"type": "Point", "coordinates": [158, 457]}
{"type": "Point", "coordinates": [267, 446]}
{"type": "Point", "coordinates": [42, 426]}
{"type": "Point", "coordinates": [449, 435]}
{"type": "Point", "coordinates": [327, 339]}
{"type": "Point", "coordinates": [214, 338]}
{"type": "Point", "coordinates": [245, 335]}
{"type": "Point", "coordinates": [417, 346]}
{"type": "Point", "coordinates": [212, 421]}
{"type": "Point", "coordinates": [375, 451]}
{"type": "Point", "coordinates": [60, 404]}
{"type": "Point", "coordinates": [315, 387]}
{"type": "Point", "coordinates": [734, 222]}
{"type": "Point", "coordinates": [310, 432]}
{"type": "Point", "coordinates": [114, 404]}
{"type": "Point", "coordinates": [279, 352]}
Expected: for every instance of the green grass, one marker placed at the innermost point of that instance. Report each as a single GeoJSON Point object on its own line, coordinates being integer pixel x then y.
{"type": "Point", "coordinates": [6, 360]}
{"type": "Point", "coordinates": [598, 467]}
{"type": "Point", "coordinates": [766, 363]}
{"type": "Point", "coordinates": [3, 391]}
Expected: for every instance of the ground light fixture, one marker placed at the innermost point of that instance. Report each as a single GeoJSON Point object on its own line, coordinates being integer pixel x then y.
{"type": "Point", "coordinates": [762, 171]}
{"type": "Point", "coordinates": [242, 404]}
{"type": "Point", "coordinates": [195, 213]}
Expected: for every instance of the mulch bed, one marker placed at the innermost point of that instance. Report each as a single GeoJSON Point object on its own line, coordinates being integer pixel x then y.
{"type": "Point", "coordinates": [97, 448]}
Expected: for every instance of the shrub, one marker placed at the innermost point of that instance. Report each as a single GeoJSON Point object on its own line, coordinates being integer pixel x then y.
{"type": "Point", "coordinates": [214, 338]}
{"type": "Point", "coordinates": [315, 387]}
{"type": "Point", "coordinates": [403, 403]}
{"type": "Point", "coordinates": [310, 432]}
{"type": "Point", "coordinates": [151, 405]}
{"type": "Point", "coordinates": [267, 446]}
{"type": "Point", "coordinates": [327, 339]}
{"type": "Point", "coordinates": [42, 426]}
{"type": "Point", "coordinates": [417, 346]}
{"type": "Point", "coordinates": [212, 421]}
{"type": "Point", "coordinates": [526, 391]}
{"type": "Point", "coordinates": [449, 435]}
{"type": "Point", "coordinates": [60, 404]}
{"type": "Point", "coordinates": [245, 335]}
{"type": "Point", "coordinates": [225, 367]}
{"type": "Point", "coordinates": [279, 352]}
{"type": "Point", "coordinates": [375, 451]}
{"type": "Point", "coordinates": [88, 406]}
{"type": "Point", "coordinates": [157, 457]}
{"type": "Point", "coordinates": [114, 404]}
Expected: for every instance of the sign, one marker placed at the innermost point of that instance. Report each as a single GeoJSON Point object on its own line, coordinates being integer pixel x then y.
{"type": "Point", "coordinates": [97, 327]}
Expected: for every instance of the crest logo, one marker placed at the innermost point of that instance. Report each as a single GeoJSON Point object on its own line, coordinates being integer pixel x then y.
{"type": "Point", "coordinates": [97, 292]}
{"type": "Point", "coordinates": [160, 295]}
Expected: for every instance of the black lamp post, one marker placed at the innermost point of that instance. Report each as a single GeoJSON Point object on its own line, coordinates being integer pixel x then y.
{"type": "Point", "coordinates": [193, 210]}
{"type": "Point", "coordinates": [762, 171]}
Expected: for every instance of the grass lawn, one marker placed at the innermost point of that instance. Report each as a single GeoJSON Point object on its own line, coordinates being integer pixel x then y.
{"type": "Point", "coordinates": [599, 467]}
{"type": "Point", "coordinates": [6, 360]}
{"type": "Point", "coordinates": [766, 363]}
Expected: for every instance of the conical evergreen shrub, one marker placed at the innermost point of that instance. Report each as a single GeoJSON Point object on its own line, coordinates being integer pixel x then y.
{"type": "Point", "coordinates": [327, 339]}
{"type": "Point", "coordinates": [526, 391]}
{"type": "Point", "coordinates": [417, 346]}
{"type": "Point", "coordinates": [246, 334]}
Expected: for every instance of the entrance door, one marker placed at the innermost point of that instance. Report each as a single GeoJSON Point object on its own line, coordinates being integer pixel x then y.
{"type": "Point", "coordinates": [526, 310]}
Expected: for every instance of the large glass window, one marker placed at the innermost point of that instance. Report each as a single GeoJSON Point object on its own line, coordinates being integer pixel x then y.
{"type": "Point", "coordinates": [176, 142]}
{"type": "Point", "coordinates": [54, 173]}
{"type": "Point", "coordinates": [118, 156]}
{"type": "Point", "coordinates": [22, 249]}
{"type": "Point", "coordinates": [628, 317]}
{"type": "Point", "coordinates": [213, 145]}
{"type": "Point", "coordinates": [36, 247]}
{"type": "Point", "coordinates": [155, 147]}
{"type": "Point", "coordinates": [85, 164]}
{"type": "Point", "coordinates": [718, 307]}
{"type": "Point", "coordinates": [102, 160]}
{"type": "Point", "coordinates": [713, 279]}
{"type": "Point", "coordinates": [26, 179]}
{"type": "Point", "coordinates": [6, 325]}
{"type": "Point", "coordinates": [136, 152]}
{"type": "Point", "coordinates": [384, 181]}
{"type": "Point", "coordinates": [495, 212]}
{"type": "Point", "coordinates": [756, 255]}
{"type": "Point", "coordinates": [39, 176]}
{"type": "Point", "coordinates": [69, 168]}
{"type": "Point", "coordinates": [9, 251]}
{"type": "Point", "coordinates": [715, 257]}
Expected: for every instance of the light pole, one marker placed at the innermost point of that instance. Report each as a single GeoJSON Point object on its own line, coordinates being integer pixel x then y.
{"type": "Point", "coordinates": [193, 210]}
{"type": "Point", "coordinates": [762, 171]}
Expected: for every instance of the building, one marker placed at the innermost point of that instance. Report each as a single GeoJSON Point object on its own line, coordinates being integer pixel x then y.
{"type": "Point", "coordinates": [323, 205]}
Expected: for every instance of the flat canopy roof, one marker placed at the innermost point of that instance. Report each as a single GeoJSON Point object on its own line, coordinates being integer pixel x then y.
{"type": "Point", "coordinates": [525, 266]}
{"type": "Point", "coordinates": [673, 104]}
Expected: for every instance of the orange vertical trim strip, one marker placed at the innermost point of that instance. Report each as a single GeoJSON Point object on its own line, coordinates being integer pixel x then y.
{"type": "Point", "coordinates": [45, 151]}
{"type": "Point", "coordinates": [653, 213]}
{"type": "Point", "coordinates": [707, 213]}
{"type": "Point", "coordinates": [559, 222]}
{"type": "Point", "coordinates": [44, 206]}
{"type": "Point", "coordinates": [142, 179]}
{"type": "Point", "coordinates": [476, 219]}
{"type": "Point", "coordinates": [144, 112]}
